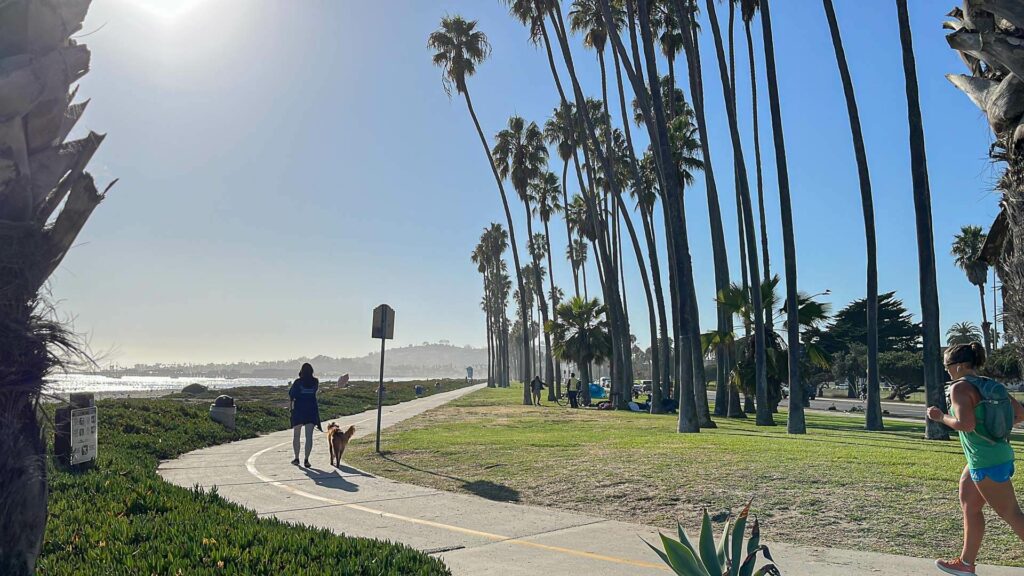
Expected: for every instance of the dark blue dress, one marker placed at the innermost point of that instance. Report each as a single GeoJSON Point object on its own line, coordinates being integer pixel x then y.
{"type": "Point", "coordinates": [305, 409]}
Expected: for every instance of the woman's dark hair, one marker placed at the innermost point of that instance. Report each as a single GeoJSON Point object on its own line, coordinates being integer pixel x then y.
{"type": "Point", "coordinates": [973, 354]}
{"type": "Point", "coordinates": [306, 371]}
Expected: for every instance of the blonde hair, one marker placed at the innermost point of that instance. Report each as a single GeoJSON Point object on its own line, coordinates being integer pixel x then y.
{"type": "Point", "coordinates": [973, 354]}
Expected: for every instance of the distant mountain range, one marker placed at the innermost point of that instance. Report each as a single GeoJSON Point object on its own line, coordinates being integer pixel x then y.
{"type": "Point", "coordinates": [441, 360]}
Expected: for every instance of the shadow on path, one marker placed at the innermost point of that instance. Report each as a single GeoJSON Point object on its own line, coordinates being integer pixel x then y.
{"type": "Point", "coordinates": [482, 488]}
{"type": "Point", "coordinates": [332, 479]}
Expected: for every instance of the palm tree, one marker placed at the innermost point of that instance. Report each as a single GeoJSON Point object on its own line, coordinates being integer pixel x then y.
{"type": "Point", "coordinates": [966, 252]}
{"type": "Point", "coordinates": [479, 258]}
{"type": "Point", "coordinates": [44, 204]}
{"type": "Point", "coordinates": [874, 407]}
{"type": "Point", "coordinates": [489, 259]}
{"type": "Point", "coordinates": [578, 250]}
{"type": "Point", "coordinates": [764, 415]}
{"type": "Point", "coordinates": [458, 48]}
{"type": "Point", "coordinates": [560, 130]}
{"type": "Point", "coordinates": [963, 333]}
{"type": "Point", "coordinates": [925, 236]}
{"type": "Point", "coordinates": [581, 336]}
{"type": "Point", "coordinates": [796, 424]}
{"type": "Point", "coordinates": [521, 156]}
{"type": "Point", "coordinates": [544, 195]}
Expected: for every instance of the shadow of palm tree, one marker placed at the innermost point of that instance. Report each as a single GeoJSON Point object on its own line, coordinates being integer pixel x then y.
{"type": "Point", "coordinates": [482, 488]}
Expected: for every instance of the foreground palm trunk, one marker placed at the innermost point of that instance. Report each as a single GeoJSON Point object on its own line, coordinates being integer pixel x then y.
{"type": "Point", "coordinates": [796, 423]}
{"type": "Point", "coordinates": [874, 408]}
{"type": "Point", "coordinates": [39, 174]}
{"type": "Point", "coordinates": [925, 236]}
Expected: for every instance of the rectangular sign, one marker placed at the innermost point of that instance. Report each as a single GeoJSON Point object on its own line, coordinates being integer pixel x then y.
{"type": "Point", "coordinates": [83, 435]}
{"type": "Point", "coordinates": [384, 322]}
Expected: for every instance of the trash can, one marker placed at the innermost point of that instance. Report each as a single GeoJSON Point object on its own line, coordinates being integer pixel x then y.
{"type": "Point", "coordinates": [419, 391]}
{"type": "Point", "coordinates": [223, 411]}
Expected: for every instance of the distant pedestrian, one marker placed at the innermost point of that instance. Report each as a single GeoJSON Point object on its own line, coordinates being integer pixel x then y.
{"type": "Point", "coordinates": [572, 387]}
{"type": "Point", "coordinates": [982, 413]}
{"type": "Point", "coordinates": [536, 385]}
{"type": "Point", "coordinates": [305, 410]}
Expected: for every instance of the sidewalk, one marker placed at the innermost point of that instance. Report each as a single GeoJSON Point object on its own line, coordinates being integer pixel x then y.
{"type": "Point", "coordinates": [474, 536]}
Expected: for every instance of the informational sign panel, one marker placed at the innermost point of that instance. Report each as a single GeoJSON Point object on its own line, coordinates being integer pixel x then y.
{"type": "Point", "coordinates": [83, 435]}
{"type": "Point", "coordinates": [384, 322]}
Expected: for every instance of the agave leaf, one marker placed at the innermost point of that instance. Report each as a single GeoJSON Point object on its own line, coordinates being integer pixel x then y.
{"type": "Point", "coordinates": [685, 540]}
{"type": "Point", "coordinates": [708, 554]}
{"type": "Point", "coordinates": [662, 555]}
{"type": "Point", "coordinates": [723, 545]}
{"type": "Point", "coordinates": [755, 536]}
{"type": "Point", "coordinates": [769, 570]}
{"type": "Point", "coordinates": [737, 540]}
{"type": "Point", "coordinates": [681, 558]}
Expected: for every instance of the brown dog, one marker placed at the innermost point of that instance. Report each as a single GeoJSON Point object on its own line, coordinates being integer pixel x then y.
{"type": "Point", "coordinates": [337, 441]}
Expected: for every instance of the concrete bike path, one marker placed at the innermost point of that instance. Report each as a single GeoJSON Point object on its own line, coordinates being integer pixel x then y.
{"type": "Point", "coordinates": [473, 536]}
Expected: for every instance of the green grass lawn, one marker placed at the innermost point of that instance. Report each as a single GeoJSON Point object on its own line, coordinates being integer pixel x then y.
{"type": "Point", "coordinates": [838, 486]}
{"type": "Point", "coordinates": [122, 518]}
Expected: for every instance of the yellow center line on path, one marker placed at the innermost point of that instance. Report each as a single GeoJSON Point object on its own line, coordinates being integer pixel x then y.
{"type": "Point", "coordinates": [250, 465]}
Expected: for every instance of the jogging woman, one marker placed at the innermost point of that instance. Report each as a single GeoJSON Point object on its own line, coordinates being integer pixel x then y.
{"type": "Point", "coordinates": [987, 478]}
{"type": "Point", "coordinates": [305, 411]}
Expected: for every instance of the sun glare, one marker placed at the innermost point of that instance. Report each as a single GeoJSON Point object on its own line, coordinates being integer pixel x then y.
{"type": "Point", "coordinates": [167, 9]}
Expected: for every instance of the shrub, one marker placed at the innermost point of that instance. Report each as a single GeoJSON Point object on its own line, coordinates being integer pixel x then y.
{"type": "Point", "coordinates": [194, 389]}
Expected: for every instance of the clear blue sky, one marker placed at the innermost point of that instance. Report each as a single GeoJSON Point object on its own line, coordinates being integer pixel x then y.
{"type": "Point", "coordinates": [287, 166]}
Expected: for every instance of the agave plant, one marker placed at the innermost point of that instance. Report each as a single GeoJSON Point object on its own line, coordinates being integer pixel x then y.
{"type": "Point", "coordinates": [730, 557]}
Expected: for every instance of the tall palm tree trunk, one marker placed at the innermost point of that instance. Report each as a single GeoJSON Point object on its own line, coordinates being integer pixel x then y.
{"type": "Point", "coordinates": [874, 407]}
{"type": "Point", "coordinates": [659, 350]}
{"type": "Point", "coordinates": [568, 228]}
{"type": "Point", "coordinates": [620, 387]}
{"type": "Point", "coordinates": [764, 414]}
{"type": "Point", "coordinates": [925, 236]}
{"type": "Point", "coordinates": [621, 354]}
{"type": "Point", "coordinates": [651, 313]}
{"type": "Point", "coordinates": [765, 257]}
{"type": "Point", "coordinates": [720, 254]}
{"type": "Point", "coordinates": [665, 355]}
{"type": "Point", "coordinates": [796, 423]}
{"type": "Point", "coordinates": [525, 368]}
{"type": "Point", "coordinates": [986, 328]}
{"type": "Point", "coordinates": [554, 388]}
{"type": "Point", "coordinates": [679, 249]}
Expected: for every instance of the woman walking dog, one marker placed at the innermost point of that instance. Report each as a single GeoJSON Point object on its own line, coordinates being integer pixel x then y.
{"type": "Point", "coordinates": [982, 412]}
{"type": "Point", "coordinates": [305, 410]}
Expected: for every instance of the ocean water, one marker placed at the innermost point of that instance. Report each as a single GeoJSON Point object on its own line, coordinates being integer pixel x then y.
{"type": "Point", "coordinates": [65, 383]}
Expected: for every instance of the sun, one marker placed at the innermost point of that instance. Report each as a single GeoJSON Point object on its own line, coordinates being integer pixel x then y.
{"type": "Point", "coordinates": [167, 9]}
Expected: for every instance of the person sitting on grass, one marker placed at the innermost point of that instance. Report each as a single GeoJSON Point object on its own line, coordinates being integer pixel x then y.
{"type": "Point", "coordinates": [536, 385]}
{"type": "Point", "coordinates": [990, 461]}
{"type": "Point", "coordinates": [305, 410]}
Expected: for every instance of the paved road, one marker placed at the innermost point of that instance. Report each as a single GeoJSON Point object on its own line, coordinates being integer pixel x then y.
{"type": "Point", "coordinates": [895, 409]}
{"type": "Point", "coordinates": [473, 536]}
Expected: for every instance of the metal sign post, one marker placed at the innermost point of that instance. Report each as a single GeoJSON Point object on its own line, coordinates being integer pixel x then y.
{"type": "Point", "coordinates": [383, 328]}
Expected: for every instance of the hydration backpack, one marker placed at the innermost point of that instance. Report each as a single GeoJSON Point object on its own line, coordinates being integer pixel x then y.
{"type": "Point", "coordinates": [998, 410]}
